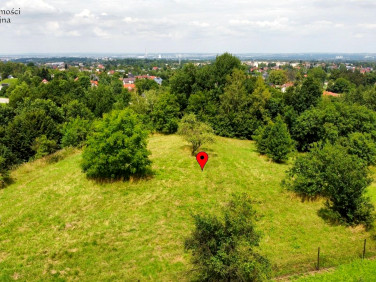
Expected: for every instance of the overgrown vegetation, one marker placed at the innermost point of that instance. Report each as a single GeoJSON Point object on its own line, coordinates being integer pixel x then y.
{"type": "Point", "coordinates": [195, 132]}
{"type": "Point", "coordinates": [117, 147]}
{"type": "Point", "coordinates": [341, 178]}
{"type": "Point", "coordinates": [223, 248]}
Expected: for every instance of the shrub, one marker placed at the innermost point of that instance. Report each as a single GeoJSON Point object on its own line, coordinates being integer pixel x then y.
{"type": "Point", "coordinates": [44, 146]}
{"type": "Point", "coordinates": [30, 124]}
{"type": "Point", "coordinates": [195, 132]}
{"type": "Point", "coordinates": [6, 161]}
{"type": "Point", "coordinates": [75, 132]}
{"type": "Point", "coordinates": [117, 147]}
{"type": "Point", "coordinates": [279, 142]}
{"type": "Point", "coordinates": [4, 178]}
{"type": "Point", "coordinates": [361, 145]}
{"type": "Point", "coordinates": [341, 178]}
{"type": "Point", "coordinates": [261, 138]}
{"type": "Point", "coordinates": [329, 120]}
{"type": "Point", "coordinates": [223, 247]}
{"type": "Point", "coordinates": [274, 140]}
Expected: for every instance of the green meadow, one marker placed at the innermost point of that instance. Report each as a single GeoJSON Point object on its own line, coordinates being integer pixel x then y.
{"type": "Point", "coordinates": [55, 224]}
{"type": "Point", "coordinates": [358, 270]}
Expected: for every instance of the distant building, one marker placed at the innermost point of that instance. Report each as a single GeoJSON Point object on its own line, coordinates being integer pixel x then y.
{"type": "Point", "coordinates": [328, 93]}
{"type": "Point", "coordinates": [128, 80]}
{"type": "Point", "coordinates": [158, 80]}
{"type": "Point", "coordinates": [129, 86]}
{"type": "Point", "coordinates": [4, 100]}
{"type": "Point", "coordinates": [286, 85]}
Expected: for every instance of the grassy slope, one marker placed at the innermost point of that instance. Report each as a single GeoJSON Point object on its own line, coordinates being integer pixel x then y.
{"type": "Point", "coordinates": [56, 223]}
{"type": "Point", "coordinates": [356, 271]}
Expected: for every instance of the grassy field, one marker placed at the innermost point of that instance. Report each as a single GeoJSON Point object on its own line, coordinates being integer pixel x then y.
{"type": "Point", "coordinates": [358, 270]}
{"type": "Point", "coordinates": [56, 224]}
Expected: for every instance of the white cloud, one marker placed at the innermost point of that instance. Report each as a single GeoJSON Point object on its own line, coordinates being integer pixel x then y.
{"type": "Point", "coordinates": [368, 25]}
{"type": "Point", "coordinates": [28, 6]}
{"type": "Point", "coordinates": [187, 25]}
{"type": "Point", "coordinates": [100, 32]}
{"type": "Point", "coordinates": [84, 17]}
{"type": "Point", "coordinates": [275, 24]}
{"type": "Point", "coordinates": [199, 24]}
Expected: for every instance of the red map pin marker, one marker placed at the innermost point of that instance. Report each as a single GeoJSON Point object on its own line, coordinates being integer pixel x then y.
{"type": "Point", "coordinates": [202, 158]}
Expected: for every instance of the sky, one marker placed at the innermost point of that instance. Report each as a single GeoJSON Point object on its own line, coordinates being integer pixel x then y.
{"type": "Point", "coordinates": [173, 26]}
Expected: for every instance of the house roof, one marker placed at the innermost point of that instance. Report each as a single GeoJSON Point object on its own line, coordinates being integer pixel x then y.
{"type": "Point", "coordinates": [328, 93]}
{"type": "Point", "coordinates": [130, 86]}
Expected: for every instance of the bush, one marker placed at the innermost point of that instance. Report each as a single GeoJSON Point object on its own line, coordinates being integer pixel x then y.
{"type": "Point", "coordinates": [33, 121]}
{"type": "Point", "coordinates": [44, 146]}
{"type": "Point", "coordinates": [117, 147]}
{"type": "Point", "coordinates": [4, 178]}
{"type": "Point", "coordinates": [195, 132]}
{"type": "Point", "coordinates": [75, 132]}
{"type": "Point", "coordinates": [279, 142]}
{"type": "Point", "coordinates": [274, 140]}
{"type": "Point", "coordinates": [6, 161]}
{"type": "Point", "coordinates": [341, 178]}
{"type": "Point", "coordinates": [361, 145]}
{"type": "Point", "coordinates": [261, 137]}
{"type": "Point", "coordinates": [331, 120]}
{"type": "Point", "coordinates": [223, 247]}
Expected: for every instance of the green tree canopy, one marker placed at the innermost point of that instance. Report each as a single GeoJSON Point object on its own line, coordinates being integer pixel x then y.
{"type": "Point", "coordinates": [117, 147]}
{"type": "Point", "coordinates": [195, 132]}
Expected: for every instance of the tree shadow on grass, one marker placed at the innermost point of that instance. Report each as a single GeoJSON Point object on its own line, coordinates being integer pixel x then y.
{"type": "Point", "coordinates": [148, 175]}
{"type": "Point", "coordinates": [5, 182]}
{"type": "Point", "coordinates": [188, 148]}
{"type": "Point", "coordinates": [330, 217]}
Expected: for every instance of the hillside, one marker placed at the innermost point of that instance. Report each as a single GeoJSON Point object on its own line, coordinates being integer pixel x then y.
{"type": "Point", "coordinates": [55, 223]}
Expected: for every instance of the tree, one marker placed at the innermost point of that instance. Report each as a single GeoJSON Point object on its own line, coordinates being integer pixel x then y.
{"type": "Point", "coordinates": [117, 147]}
{"type": "Point", "coordinates": [330, 171]}
{"type": "Point", "coordinates": [261, 137]}
{"type": "Point", "coordinates": [331, 120]}
{"type": "Point", "coordinates": [75, 132]}
{"type": "Point", "coordinates": [341, 85]}
{"type": "Point", "coordinates": [274, 140]}
{"type": "Point", "coordinates": [165, 113]}
{"type": "Point", "coordinates": [278, 77]}
{"type": "Point", "coordinates": [76, 109]}
{"type": "Point", "coordinates": [35, 118]}
{"type": "Point", "coordinates": [195, 132]}
{"type": "Point", "coordinates": [240, 112]}
{"type": "Point", "coordinates": [361, 145]}
{"type": "Point", "coordinates": [18, 95]}
{"type": "Point", "coordinates": [223, 248]}
{"type": "Point", "coordinates": [84, 82]}
{"type": "Point", "coordinates": [182, 83]}
{"type": "Point", "coordinates": [317, 73]}
{"type": "Point", "coordinates": [143, 85]}
{"type": "Point", "coordinates": [44, 146]}
{"type": "Point", "coordinates": [307, 95]}
{"type": "Point", "coordinates": [224, 65]}
{"type": "Point", "coordinates": [100, 99]}
{"type": "Point", "coordinates": [7, 159]}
